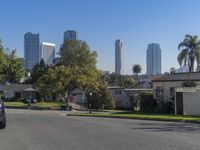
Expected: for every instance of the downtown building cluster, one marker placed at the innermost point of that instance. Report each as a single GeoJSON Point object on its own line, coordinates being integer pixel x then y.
{"type": "Point", "coordinates": [34, 50]}
{"type": "Point", "coordinates": [153, 58]}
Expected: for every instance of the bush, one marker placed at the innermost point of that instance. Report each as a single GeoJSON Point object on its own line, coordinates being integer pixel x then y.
{"type": "Point", "coordinates": [168, 107]}
{"type": "Point", "coordinates": [102, 99]}
{"type": "Point", "coordinates": [147, 102]}
{"type": "Point", "coordinates": [189, 84]}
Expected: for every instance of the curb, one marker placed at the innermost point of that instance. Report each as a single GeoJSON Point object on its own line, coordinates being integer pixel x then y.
{"type": "Point", "coordinates": [150, 119]}
{"type": "Point", "coordinates": [15, 107]}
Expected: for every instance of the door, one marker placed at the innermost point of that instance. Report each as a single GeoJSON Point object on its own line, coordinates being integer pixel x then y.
{"type": "Point", "coordinates": [179, 103]}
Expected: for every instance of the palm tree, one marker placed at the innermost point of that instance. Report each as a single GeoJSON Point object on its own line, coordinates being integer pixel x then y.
{"type": "Point", "coordinates": [137, 69]}
{"type": "Point", "coordinates": [190, 51]}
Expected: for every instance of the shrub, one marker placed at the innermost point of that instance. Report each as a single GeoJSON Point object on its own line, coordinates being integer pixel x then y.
{"type": "Point", "coordinates": [189, 84]}
{"type": "Point", "coordinates": [168, 107]}
{"type": "Point", "coordinates": [102, 99]}
{"type": "Point", "coordinates": [147, 102]}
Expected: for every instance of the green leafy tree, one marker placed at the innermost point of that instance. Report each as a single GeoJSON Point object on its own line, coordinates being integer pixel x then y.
{"type": "Point", "coordinates": [190, 52]}
{"type": "Point", "coordinates": [189, 84]}
{"type": "Point", "coordinates": [128, 82]}
{"type": "Point", "coordinates": [147, 102]}
{"type": "Point", "coordinates": [76, 68]}
{"type": "Point", "coordinates": [3, 64]}
{"type": "Point", "coordinates": [38, 70]}
{"type": "Point", "coordinates": [77, 53]}
{"type": "Point", "coordinates": [13, 67]}
{"type": "Point", "coordinates": [118, 80]}
{"type": "Point", "coordinates": [124, 81]}
{"type": "Point", "coordinates": [112, 79]}
{"type": "Point", "coordinates": [102, 99]}
{"type": "Point", "coordinates": [54, 82]}
{"type": "Point", "coordinates": [3, 61]}
{"type": "Point", "coordinates": [137, 69]}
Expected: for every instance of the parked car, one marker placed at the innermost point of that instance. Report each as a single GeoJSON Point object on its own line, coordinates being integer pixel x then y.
{"type": "Point", "coordinates": [2, 115]}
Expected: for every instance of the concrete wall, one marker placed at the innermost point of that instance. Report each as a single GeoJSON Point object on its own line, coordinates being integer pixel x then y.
{"type": "Point", "coordinates": [191, 103]}
{"type": "Point", "coordinates": [121, 98]}
{"type": "Point", "coordinates": [166, 87]}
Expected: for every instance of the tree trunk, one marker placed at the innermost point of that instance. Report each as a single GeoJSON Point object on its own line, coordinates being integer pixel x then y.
{"type": "Point", "coordinates": [66, 98]}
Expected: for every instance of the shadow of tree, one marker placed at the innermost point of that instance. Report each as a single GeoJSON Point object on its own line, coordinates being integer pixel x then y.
{"type": "Point", "coordinates": [169, 127]}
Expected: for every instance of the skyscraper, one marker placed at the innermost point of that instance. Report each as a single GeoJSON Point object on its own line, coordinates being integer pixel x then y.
{"type": "Point", "coordinates": [47, 52]}
{"type": "Point", "coordinates": [31, 49]}
{"type": "Point", "coordinates": [119, 58]}
{"type": "Point", "coordinates": [70, 35]}
{"type": "Point", "coordinates": [153, 59]}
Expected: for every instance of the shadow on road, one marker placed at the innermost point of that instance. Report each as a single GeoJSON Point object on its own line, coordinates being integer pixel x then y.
{"type": "Point", "coordinates": [169, 127]}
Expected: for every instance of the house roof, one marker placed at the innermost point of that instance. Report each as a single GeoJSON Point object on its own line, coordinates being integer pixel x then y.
{"type": "Point", "coordinates": [15, 87]}
{"type": "Point", "coordinates": [194, 76]}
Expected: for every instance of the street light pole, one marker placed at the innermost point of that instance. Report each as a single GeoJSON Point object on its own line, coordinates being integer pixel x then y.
{"type": "Point", "coordinates": [90, 102]}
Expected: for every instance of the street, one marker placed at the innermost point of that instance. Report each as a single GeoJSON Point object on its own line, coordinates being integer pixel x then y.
{"type": "Point", "coordinates": [52, 130]}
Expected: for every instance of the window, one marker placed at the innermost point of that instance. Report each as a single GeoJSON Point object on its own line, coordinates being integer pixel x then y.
{"type": "Point", "coordinates": [159, 92]}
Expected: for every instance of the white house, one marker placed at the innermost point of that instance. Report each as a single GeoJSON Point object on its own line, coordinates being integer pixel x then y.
{"type": "Point", "coordinates": [14, 90]}
{"type": "Point", "coordinates": [120, 96]}
{"type": "Point", "coordinates": [167, 83]}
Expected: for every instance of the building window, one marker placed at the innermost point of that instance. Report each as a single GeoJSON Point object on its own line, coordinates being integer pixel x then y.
{"type": "Point", "coordinates": [159, 93]}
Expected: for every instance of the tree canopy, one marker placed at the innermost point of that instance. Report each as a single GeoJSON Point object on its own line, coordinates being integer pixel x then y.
{"type": "Point", "coordinates": [118, 80]}
{"type": "Point", "coordinates": [76, 68]}
{"type": "Point", "coordinates": [137, 69]}
{"type": "Point", "coordinates": [190, 52]}
{"type": "Point", "coordinates": [77, 53]}
{"type": "Point", "coordinates": [11, 67]}
{"type": "Point", "coordinates": [38, 71]}
{"type": "Point", "coordinates": [14, 67]}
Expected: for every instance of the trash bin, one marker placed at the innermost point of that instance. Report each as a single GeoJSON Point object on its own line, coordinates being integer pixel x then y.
{"type": "Point", "coordinates": [62, 107]}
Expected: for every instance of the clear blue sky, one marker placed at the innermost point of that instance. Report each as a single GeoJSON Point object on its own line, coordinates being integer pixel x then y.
{"type": "Point", "coordinates": [100, 22]}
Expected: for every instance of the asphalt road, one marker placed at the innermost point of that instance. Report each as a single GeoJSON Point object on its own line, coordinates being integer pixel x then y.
{"type": "Point", "coordinates": [49, 130]}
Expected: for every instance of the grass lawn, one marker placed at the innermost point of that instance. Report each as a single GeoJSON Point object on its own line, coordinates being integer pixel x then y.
{"type": "Point", "coordinates": [15, 104]}
{"type": "Point", "coordinates": [130, 115]}
{"type": "Point", "coordinates": [39, 104]}
{"type": "Point", "coordinates": [47, 104]}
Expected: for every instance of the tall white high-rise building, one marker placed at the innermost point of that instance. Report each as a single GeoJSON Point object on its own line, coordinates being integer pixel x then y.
{"type": "Point", "coordinates": [31, 49]}
{"type": "Point", "coordinates": [47, 52]}
{"type": "Point", "coordinates": [153, 59]}
{"type": "Point", "coordinates": [119, 69]}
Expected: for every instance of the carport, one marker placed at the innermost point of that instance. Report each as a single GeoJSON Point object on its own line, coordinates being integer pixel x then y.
{"type": "Point", "coordinates": [187, 100]}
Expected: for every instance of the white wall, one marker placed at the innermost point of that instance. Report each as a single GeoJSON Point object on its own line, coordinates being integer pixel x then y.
{"type": "Point", "coordinates": [121, 100]}
{"type": "Point", "coordinates": [191, 103]}
{"type": "Point", "coordinates": [166, 87]}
